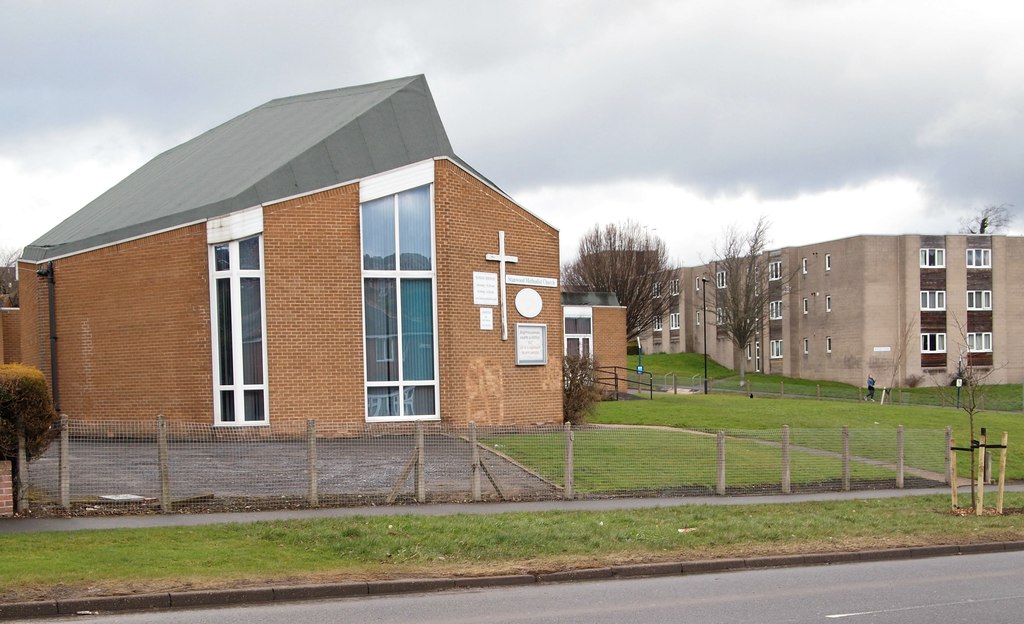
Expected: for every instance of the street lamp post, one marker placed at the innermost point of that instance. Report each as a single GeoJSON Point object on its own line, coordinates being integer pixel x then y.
{"type": "Point", "coordinates": [704, 313]}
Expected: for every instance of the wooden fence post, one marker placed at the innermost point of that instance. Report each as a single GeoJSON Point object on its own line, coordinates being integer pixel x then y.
{"type": "Point", "coordinates": [981, 474]}
{"type": "Point", "coordinates": [949, 454]}
{"type": "Point", "coordinates": [314, 495]}
{"type": "Point", "coordinates": [64, 463]}
{"type": "Point", "coordinates": [1002, 475]}
{"type": "Point", "coordinates": [899, 457]}
{"type": "Point", "coordinates": [162, 460]}
{"type": "Point", "coordinates": [720, 465]}
{"type": "Point", "coordinates": [786, 487]}
{"type": "Point", "coordinates": [569, 439]}
{"type": "Point", "coordinates": [475, 465]}
{"type": "Point", "coordinates": [21, 478]}
{"type": "Point", "coordinates": [846, 458]}
{"type": "Point", "coordinates": [421, 477]}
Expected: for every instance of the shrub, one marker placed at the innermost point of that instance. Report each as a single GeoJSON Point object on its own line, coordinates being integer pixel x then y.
{"type": "Point", "coordinates": [25, 407]}
{"type": "Point", "coordinates": [914, 381]}
{"type": "Point", "coordinates": [579, 395]}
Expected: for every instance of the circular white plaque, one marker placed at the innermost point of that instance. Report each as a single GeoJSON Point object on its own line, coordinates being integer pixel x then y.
{"type": "Point", "coordinates": [528, 302]}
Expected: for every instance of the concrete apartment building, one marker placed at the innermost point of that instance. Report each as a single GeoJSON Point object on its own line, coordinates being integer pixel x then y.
{"type": "Point", "coordinates": [897, 307]}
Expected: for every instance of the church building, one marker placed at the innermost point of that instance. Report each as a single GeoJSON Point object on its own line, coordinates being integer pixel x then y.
{"type": "Point", "coordinates": [324, 256]}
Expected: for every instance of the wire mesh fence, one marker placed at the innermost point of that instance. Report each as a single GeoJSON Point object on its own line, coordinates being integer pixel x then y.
{"type": "Point", "coordinates": [157, 466]}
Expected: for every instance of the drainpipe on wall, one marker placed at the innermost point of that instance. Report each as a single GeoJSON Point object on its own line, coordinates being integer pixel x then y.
{"type": "Point", "coordinates": [48, 274]}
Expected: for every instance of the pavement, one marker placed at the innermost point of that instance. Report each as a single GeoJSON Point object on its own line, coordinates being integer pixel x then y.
{"type": "Point", "coordinates": [222, 597]}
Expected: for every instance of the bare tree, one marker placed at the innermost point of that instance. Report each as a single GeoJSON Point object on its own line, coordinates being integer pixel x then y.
{"type": "Point", "coordinates": [9, 277]}
{"type": "Point", "coordinates": [628, 260]}
{"type": "Point", "coordinates": [742, 295]}
{"type": "Point", "coordinates": [970, 386]}
{"type": "Point", "coordinates": [987, 220]}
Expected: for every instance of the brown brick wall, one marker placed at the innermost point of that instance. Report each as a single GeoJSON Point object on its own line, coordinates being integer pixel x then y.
{"type": "Point", "coordinates": [314, 321]}
{"type": "Point", "coordinates": [10, 335]}
{"type": "Point", "coordinates": [133, 319]}
{"type": "Point", "coordinates": [479, 379]}
{"type": "Point", "coordinates": [6, 490]}
{"type": "Point", "coordinates": [609, 331]}
{"type": "Point", "coordinates": [133, 329]}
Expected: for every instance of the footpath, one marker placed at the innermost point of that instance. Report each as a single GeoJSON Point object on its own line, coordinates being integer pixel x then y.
{"type": "Point", "coordinates": [250, 595]}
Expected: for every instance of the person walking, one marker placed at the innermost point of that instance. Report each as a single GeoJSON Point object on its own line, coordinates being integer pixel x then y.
{"type": "Point", "coordinates": [871, 388]}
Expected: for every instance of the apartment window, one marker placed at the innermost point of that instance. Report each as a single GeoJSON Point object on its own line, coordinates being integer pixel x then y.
{"type": "Point", "coordinates": [657, 289]}
{"type": "Point", "coordinates": [933, 343]}
{"type": "Point", "coordinates": [698, 318]}
{"type": "Point", "coordinates": [828, 344]}
{"type": "Point", "coordinates": [239, 326]}
{"type": "Point", "coordinates": [803, 266]}
{"type": "Point", "coordinates": [979, 341]}
{"type": "Point", "coordinates": [776, 349]}
{"type": "Point", "coordinates": [674, 287]}
{"type": "Point", "coordinates": [979, 299]}
{"type": "Point", "coordinates": [720, 279]}
{"type": "Point", "coordinates": [933, 258]}
{"type": "Point", "coordinates": [719, 314]}
{"type": "Point", "coordinates": [399, 313]}
{"type": "Point", "coordinates": [775, 310]}
{"type": "Point", "coordinates": [807, 346]}
{"type": "Point", "coordinates": [979, 258]}
{"type": "Point", "coordinates": [696, 283]}
{"type": "Point", "coordinates": [657, 323]}
{"type": "Point", "coordinates": [933, 300]}
{"type": "Point", "coordinates": [748, 352]}
{"type": "Point", "coordinates": [775, 270]}
{"type": "Point", "coordinates": [673, 320]}
{"type": "Point", "coordinates": [807, 306]}
{"type": "Point", "coordinates": [828, 262]}
{"type": "Point", "coordinates": [828, 303]}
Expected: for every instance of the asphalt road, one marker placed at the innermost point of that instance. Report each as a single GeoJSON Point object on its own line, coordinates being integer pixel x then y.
{"type": "Point", "coordinates": [970, 588]}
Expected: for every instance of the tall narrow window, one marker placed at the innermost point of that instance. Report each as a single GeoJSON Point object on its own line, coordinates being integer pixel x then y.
{"type": "Point", "coordinates": [657, 324]}
{"type": "Point", "coordinates": [720, 279]}
{"type": "Point", "coordinates": [828, 344]}
{"type": "Point", "coordinates": [828, 262]}
{"type": "Point", "coordinates": [775, 270]}
{"type": "Point", "coordinates": [776, 349]}
{"type": "Point", "coordinates": [774, 310]}
{"type": "Point", "coordinates": [240, 368]}
{"type": "Point", "coordinates": [673, 320]}
{"type": "Point", "coordinates": [828, 303]}
{"type": "Point", "coordinates": [399, 314]}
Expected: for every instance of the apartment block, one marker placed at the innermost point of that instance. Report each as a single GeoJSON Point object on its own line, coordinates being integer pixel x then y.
{"type": "Point", "coordinates": [902, 308]}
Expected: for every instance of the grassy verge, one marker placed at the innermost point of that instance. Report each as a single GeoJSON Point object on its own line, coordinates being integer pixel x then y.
{"type": "Point", "coordinates": [725, 412]}
{"type": "Point", "coordinates": [47, 565]}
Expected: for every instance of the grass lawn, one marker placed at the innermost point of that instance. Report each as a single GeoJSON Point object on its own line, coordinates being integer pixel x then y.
{"type": "Point", "coordinates": [733, 413]}
{"type": "Point", "coordinates": [48, 565]}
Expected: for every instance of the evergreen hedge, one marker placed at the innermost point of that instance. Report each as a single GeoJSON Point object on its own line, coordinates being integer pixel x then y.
{"type": "Point", "coordinates": [25, 407]}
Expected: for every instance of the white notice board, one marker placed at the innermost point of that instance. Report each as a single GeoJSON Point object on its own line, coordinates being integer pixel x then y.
{"type": "Point", "coordinates": [531, 344]}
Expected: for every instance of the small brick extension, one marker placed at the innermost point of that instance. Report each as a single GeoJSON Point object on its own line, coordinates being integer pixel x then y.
{"type": "Point", "coordinates": [6, 490]}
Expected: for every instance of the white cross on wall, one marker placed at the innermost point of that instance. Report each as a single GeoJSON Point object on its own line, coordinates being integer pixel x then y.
{"type": "Point", "coordinates": [501, 258]}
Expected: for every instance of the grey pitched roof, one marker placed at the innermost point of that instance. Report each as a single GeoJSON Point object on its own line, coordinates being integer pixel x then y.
{"type": "Point", "coordinates": [283, 148]}
{"type": "Point", "coordinates": [605, 299]}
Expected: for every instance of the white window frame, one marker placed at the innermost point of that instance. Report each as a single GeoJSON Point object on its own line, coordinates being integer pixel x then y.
{"type": "Point", "coordinates": [748, 352]}
{"type": "Point", "coordinates": [933, 342]}
{"type": "Point", "coordinates": [718, 316]}
{"type": "Point", "coordinates": [720, 279]}
{"type": "Point", "coordinates": [985, 339]}
{"type": "Point", "coordinates": [697, 315]}
{"type": "Point", "coordinates": [828, 303]}
{"type": "Point", "coordinates": [807, 306]}
{"type": "Point", "coordinates": [933, 258]}
{"type": "Point", "coordinates": [776, 349]}
{"type": "Point", "coordinates": [673, 320]}
{"type": "Point", "coordinates": [696, 283]}
{"type": "Point", "coordinates": [979, 299]}
{"type": "Point", "coordinates": [657, 289]}
{"type": "Point", "coordinates": [828, 344]}
{"type": "Point", "coordinates": [578, 312]}
{"type": "Point", "coordinates": [828, 262]}
{"type": "Point", "coordinates": [979, 258]}
{"type": "Point", "coordinates": [803, 266]}
{"type": "Point", "coordinates": [774, 270]}
{"type": "Point", "coordinates": [932, 300]}
{"type": "Point", "coordinates": [775, 310]}
{"type": "Point", "coordinates": [657, 326]}
{"type": "Point", "coordinates": [232, 225]}
{"type": "Point", "coordinates": [807, 346]}
{"type": "Point", "coordinates": [391, 184]}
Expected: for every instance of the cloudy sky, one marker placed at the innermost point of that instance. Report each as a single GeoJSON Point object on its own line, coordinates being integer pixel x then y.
{"type": "Point", "coordinates": [831, 119]}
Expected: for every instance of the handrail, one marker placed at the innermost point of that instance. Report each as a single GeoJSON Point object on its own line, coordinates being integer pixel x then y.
{"type": "Point", "coordinates": [612, 376]}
